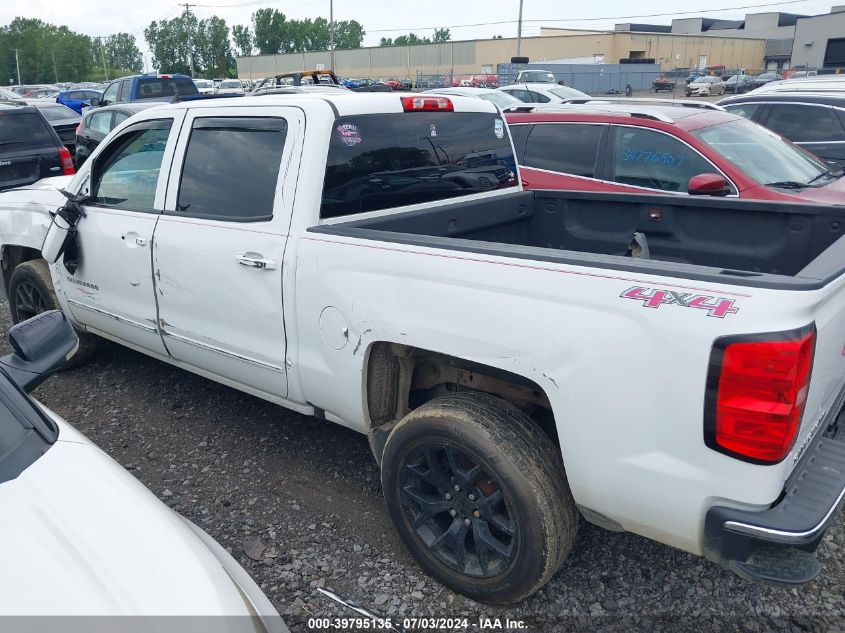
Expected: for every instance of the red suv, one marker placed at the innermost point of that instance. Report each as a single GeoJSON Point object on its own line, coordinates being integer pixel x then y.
{"type": "Point", "coordinates": [689, 148]}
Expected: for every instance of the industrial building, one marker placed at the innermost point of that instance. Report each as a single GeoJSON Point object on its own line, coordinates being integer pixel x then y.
{"type": "Point", "coordinates": [483, 56]}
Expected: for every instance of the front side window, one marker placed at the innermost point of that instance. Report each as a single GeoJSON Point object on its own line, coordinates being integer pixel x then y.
{"type": "Point", "coordinates": [538, 97]}
{"type": "Point", "coordinates": [805, 123]}
{"type": "Point", "coordinates": [564, 148]}
{"type": "Point", "coordinates": [380, 161]}
{"type": "Point", "coordinates": [110, 95]}
{"type": "Point", "coordinates": [231, 168]}
{"type": "Point", "coordinates": [762, 155]}
{"type": "Point", "coordinates": [126, 174]}
{"type": "Point", "coordinates": [646, 158]}
{"type": "Point", "coordinates": [522, 95]}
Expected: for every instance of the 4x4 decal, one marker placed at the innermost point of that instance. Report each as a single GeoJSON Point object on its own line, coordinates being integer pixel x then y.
{"type": "Point", "coordinates": [718, 307]}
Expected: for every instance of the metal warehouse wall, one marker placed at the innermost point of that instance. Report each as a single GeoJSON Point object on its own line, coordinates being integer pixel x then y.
{"type": "Point", "coordinates": [482, 56]}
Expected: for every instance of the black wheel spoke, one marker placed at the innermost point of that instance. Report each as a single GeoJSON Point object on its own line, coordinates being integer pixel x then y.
{"type": "Point", "coordinates": [502, 524]}
{"type": "Point", "coordinates": [480, 549]}
{"type": "Point", "coordinates": [484, 539]}
{"type": "Point", "coordinates": [429, 505]}
{"type": "Point", "coordinates": [465, 476]}
{"type": "Point", "coordinates": [455, 540]}
{"type": "Point", "coordinates": [29, 301]}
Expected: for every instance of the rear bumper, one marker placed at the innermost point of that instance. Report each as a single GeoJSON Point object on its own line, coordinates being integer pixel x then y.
{"type": "Point", "coordinates": [776, 545]}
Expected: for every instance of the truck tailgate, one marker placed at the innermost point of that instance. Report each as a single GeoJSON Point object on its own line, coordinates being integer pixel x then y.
{"type": "Point", "coordinates": [827, 381]}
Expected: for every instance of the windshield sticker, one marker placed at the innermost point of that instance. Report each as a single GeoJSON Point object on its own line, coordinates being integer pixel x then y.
{"type": "Point", "coordinates": [499, 128]}
{"type": "Point", "coordinates": [432, 130]}
{"type": "Point", "coordinates": [718, 307]}
{"type": "Point", "coordinates": [645, 156]}
{"type": "Point", "coordinates": [349, 134]}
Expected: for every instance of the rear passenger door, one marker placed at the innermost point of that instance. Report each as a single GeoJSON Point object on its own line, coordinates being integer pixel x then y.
{"type": "Point", "coordinates": [817, 128]}
{"type": "Point", "coordinates": [563, 156]}
{"type": "Point", "coordinates": [220, 245]}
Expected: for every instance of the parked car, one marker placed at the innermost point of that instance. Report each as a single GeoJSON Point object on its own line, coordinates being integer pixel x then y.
{"type": "Point", "coordinates": [30, 149]}
{"type": "Point", "coordinates": [739, 84]}
{"type": "Point", "coordinates": [796, 74]}
{"type": "Point", "coordinates": [666, 149]}
{"type": "Point", "coordinates": [705, 86]}
{"type": "Point", "coordinates": [501, 99]}
{"type": "Point", "coordinates": [39, 91]}
{"type": "Point", "coordinates": [693, 76]}
{"type": "Point", "coordinates": [765, 78]}
{"type": "Point", "coordinates": [230, 86]}
{"type": "Point", "coordinates": [812, 120]}
{"type": "Point", "coordinates": [62, 119]}
{"type": "Point", "coordinates": [727, 73]}
{"type": "Point", "coordinates": [396, 83]}
{"type": "Point", "coordinates": [79, 527]}
{"type": "Point", "coordinates": [494, 429]}
{"type": "Point", "coordinates": [543, 93]}
{"type": "Point", "coordinates": [535, 77]}
{"type": "Point", "coordinates": [11, 98]}
{"type": "Point", "coordinates": [151, 87]}
{"type": "Point", "coordinates": [663, 83]}
{"type": "Point", "coordinates": [204, 86]}
{"type": "Point", "coordinates": [98, 122]}
{"type": "Point", "coordinates": [821, 83]}
{"type": "Point", "coordinates": [77, 99]}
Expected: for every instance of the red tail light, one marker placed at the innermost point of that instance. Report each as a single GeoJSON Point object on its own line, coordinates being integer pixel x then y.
{"type": "Point", "coordinates": [427, 104]}
{"type": "Point", "coordinates": [757, 387]}
{"type": "Point", "coordinates": [67, 161]}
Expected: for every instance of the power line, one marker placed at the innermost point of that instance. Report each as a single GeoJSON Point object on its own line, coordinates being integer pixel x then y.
{"type": "Point", "coordinates": [617, 17]}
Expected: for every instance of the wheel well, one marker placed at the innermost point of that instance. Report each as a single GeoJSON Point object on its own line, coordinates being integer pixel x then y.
{"type": "Point", "coordinates": [400, 378]}
{"type": "Point", "coordinates": [12, 257]}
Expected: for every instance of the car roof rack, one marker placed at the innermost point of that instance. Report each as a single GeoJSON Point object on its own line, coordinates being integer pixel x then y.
{"type": "Point", "coordinates": [679, 103]}
{"type": "Point", "coordinates": [597, 107]}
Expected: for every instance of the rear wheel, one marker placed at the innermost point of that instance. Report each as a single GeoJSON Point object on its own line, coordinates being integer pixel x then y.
{"type": "Point", "coordinates": [479, 495]}
{"type": "Point", "coordinates": [31, 292]}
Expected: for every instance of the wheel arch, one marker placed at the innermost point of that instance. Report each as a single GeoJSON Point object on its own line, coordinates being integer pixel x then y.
{"type": "Point", "coordinates": [399, 378]}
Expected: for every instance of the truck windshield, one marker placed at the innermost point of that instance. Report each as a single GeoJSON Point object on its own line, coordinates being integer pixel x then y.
{"type": "Point", "coordinates": [379, 161]}
{"type": "Point", "coordinates": [762, 154]}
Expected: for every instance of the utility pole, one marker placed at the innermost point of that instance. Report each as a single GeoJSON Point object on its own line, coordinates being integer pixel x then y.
{"type": "Point", "coordinates": [103, 57]}
{"type": "Point", "coordinates": [519, 32]}
{"type": "Point", "coordinates": [190, 37]}
{"type": "Point", "coordinates": [331, 33]}
{"type": "Point", "coordinates": [18, 65]}
{"type": "Point", "coordinates": [55, 70]}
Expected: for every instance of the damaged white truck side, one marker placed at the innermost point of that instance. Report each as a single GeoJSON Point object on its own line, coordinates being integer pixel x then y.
{"type": "Point", "coordinates": [518, 359]}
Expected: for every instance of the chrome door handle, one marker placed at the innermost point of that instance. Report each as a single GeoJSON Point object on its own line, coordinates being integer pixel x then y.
{"type": "Point", "coordinates": [256, 262]}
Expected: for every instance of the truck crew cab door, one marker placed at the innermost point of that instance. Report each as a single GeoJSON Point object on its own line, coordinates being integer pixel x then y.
{"type": "Point", "coordinates": [112, 290]}
{"type": "Point", "coordinates": [220, 243]}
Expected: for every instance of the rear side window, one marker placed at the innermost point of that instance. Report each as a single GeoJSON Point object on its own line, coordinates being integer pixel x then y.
{"type": "Point", "coordinates": [28, 129]}
{"type": "Point", "coordinates": [231, 168]}
{"type": "Point", "coordinates": [746, 110]}
{"type": "Point", "coordinates": [156, 87]}
{"type": "Point", "coordinates": [539, 97]}
{"type": "Point", "coordinates": [379, 161]}
{"type": "Point", "coordinates": [805, 123]}
{"type": "Point", "coordinates": [565, 148]}
{"type": "Point", "coordinates": [100, 122]}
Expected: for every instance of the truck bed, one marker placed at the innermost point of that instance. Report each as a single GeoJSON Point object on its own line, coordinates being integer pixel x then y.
{"type": "Point", "coordinates": [752, 243]}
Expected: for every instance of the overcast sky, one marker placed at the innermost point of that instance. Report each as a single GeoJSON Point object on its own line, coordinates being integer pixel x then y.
{"type": "Point", "coordinates": [381, 17]}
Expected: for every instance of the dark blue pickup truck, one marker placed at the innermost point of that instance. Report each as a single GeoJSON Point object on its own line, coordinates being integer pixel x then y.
{"type": "Point", "coordinates": [151, 87]}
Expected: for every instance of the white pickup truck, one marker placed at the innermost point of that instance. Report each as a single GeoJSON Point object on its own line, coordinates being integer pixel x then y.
{"type": "Point", "coordinates": [671, 366]}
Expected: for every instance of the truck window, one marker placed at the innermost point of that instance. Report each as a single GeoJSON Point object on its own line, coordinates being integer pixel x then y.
{"type": "Point", "coordinates": [379, 161]}
{"type": "Point", "coordinates": [567, 148]}
{"type": "Point", "coordinates": [126, 174]}
{"type": "Point", "coordinates": [231, 168]}
{"type": "Point", "coordinates": [110, 95]}
{"type": "Point", "coordinates": [158, 87]}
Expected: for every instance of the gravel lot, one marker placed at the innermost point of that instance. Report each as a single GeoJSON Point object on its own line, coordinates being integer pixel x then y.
{"type": "Point", "coordinates": [298, 503]}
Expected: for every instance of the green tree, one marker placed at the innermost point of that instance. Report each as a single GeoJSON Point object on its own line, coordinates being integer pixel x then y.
{"type": "Point", "coordinates": [271, 31]}
{"type": "Point", "coordinates": [169, 42]}
{"type": "Point", "coordinates": [212, 49]}
{"type": "Point", "coordinates": [121, 54]}
{"type": "Point", "coordinates": [348, 34]}
{"type": "Point", "coordinates": [411, 39]}
{"type": "Point", "coordinates": [442, 35]}
{"type": "Point", "coordinates": [47, 53]}
{"type": "Point", "coordinates": [242, 37]}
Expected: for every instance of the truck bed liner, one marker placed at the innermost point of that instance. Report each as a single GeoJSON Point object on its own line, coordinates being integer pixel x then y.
{"type": "Point", "coordinates": [723, 240]}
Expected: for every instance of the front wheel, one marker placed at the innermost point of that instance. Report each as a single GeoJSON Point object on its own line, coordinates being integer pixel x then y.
{"type": "Point", "coordinates": [479, 495]}
{"type": "Point", "coordinates": [31, 292]}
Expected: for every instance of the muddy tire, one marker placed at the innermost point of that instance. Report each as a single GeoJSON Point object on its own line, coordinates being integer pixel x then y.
{"type": "Point", "coordinates": [31, 292]}
{"type": "Point", "coordinates": [479, 495]}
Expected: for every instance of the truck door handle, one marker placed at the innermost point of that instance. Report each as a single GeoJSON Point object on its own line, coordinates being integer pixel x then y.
{"type": "Point", "coordinates": [256, 262]}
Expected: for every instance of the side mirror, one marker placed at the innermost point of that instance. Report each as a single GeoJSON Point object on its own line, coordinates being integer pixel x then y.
{"type": "Point", "coordinates": [95, 101]}
{"type": "Point", "coordinates": [708, 185]}
{"type": "Point", "coordinates": [42, 345]}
